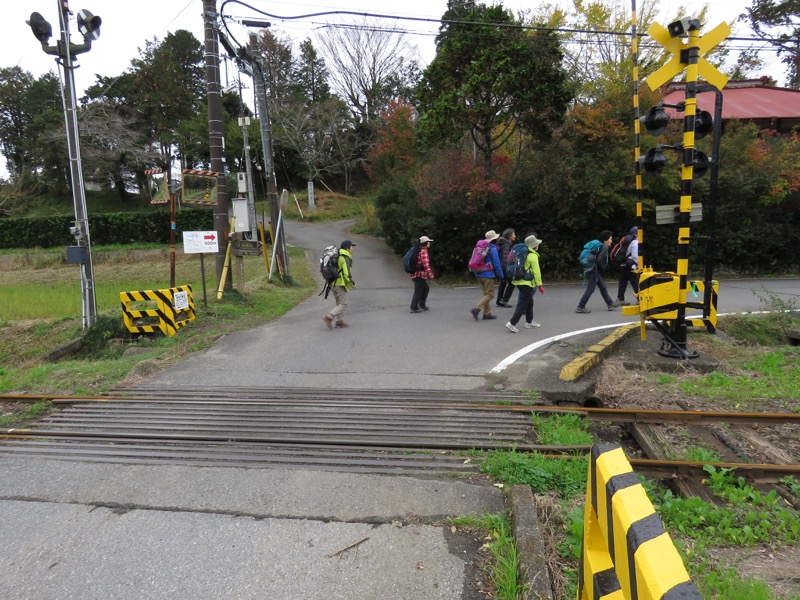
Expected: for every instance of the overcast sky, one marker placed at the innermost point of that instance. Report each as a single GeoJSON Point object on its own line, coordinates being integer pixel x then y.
{"type": "Point", "coordinates": [127, 25]}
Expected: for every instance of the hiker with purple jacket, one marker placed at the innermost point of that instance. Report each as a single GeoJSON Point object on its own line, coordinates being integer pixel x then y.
{"type": "Point", "coordinates": [490, 271]}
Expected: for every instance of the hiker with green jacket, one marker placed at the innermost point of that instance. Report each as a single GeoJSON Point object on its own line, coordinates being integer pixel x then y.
{"type": "Point", "coordinates": [527, 285]}
{"type": "Point", "coordinates": [341, 286]}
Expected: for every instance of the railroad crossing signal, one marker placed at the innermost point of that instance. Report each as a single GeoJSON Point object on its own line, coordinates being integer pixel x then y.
{"type": "Point", "coordinates": [677, 47]}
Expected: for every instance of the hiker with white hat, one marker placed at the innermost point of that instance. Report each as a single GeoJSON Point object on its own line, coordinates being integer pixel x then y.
{"type": "Point", "coordinates": [422, 276]}
{"type": "Point", "coordinates": [485, 263]}
{"type": "Point", "coordinates": [527, 282]}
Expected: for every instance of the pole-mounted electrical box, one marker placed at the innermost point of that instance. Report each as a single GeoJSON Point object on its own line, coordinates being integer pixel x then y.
{"type": "Point", "coordinates": [241, 183]}
{"type": "Point", "coordinates": [241, 215]}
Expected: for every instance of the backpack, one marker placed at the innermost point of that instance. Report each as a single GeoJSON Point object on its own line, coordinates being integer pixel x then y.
{"type": "Point", "coordinates": [477, 262]}
{"type": "Point", "coordinates": [329, 264]}
{"type": "Point", "coordinates": [410, 263]}
{"type": "Point", "coordinates": [588, 255]}
{"type": "Point", "coordinates": [515, 263]}
{"type": "Point", "coordinates": [619, 253]}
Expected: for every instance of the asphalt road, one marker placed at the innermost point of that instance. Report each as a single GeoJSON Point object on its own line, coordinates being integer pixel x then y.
{"type": "Point", "coordinates": [387, 347]}
{"type": "Point", "coordinates": [81, 530]}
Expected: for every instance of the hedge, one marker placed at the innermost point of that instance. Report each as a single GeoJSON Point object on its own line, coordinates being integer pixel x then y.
{"type": "Point", "coordinates": [104, 228]}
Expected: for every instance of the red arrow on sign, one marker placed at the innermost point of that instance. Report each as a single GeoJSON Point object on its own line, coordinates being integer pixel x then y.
{"type": "Point", "coordinates": [209, 237]}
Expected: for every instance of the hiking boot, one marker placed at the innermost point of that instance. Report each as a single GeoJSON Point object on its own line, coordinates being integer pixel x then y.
{"type": "Point", "coordinates": [503, 303]}
{"type": "Point", "coordinates": [474, 312]}
{"type": "Point", "coordinates": [489, 316]}
{"type": "Point", "coordinates": [511, 328]}
{"type": "Point", "coordinates": [415, 310]}
{"type": "Point", "coordinates": [424, 308]}
{"type": "Point", "coordinates": [582, 310]}
{"type": "Point", "coordinates": [532, 325]}
{"type": "Point", "coordinates": [615, 304]}
{"type": "Point", "coordinates": [342, 325]}
{"type": "Point", "coordinates": [328, 321]}
{"type": "Point", "coordinates": [624, 303]}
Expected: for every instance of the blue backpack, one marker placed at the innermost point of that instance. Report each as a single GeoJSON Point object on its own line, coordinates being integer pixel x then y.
{"type": "Point", "coordinates": [410, 264]}
{"type": "Point", "coordinates": [515, 263]}
{"type": "Point", "coordinates": [589, 253]}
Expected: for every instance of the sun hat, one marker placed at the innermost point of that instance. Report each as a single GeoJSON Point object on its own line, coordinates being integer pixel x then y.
{"type": "Point", "coordinates": [491, 235]}
{"type": "Point", "coordinates": [532, 242]}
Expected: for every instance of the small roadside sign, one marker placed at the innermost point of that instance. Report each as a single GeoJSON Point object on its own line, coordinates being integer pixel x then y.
{"type": "Point", "coordinates": [200, 242]}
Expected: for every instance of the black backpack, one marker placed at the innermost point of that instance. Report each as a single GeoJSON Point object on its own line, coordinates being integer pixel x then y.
{"type": "Point", "coordinates": [410, 260]}
{"type": "Point", "coordinates": [619, 253]}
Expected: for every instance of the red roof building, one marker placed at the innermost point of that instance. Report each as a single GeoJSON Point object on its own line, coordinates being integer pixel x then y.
{"type": "Point", "coordinates": [750, 100]}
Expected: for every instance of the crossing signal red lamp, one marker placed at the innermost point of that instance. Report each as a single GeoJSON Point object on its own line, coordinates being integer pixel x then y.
{"type": "Point", "coordinates": [655, 120]}
{"type": "Point", "coordinates": [703, 124]}
{"type": "Point", "coordinates": [701, 163]}
{"type": "Point", "coordinates": [654, 161]}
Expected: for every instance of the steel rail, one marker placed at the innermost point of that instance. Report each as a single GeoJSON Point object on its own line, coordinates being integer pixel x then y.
{"type": "Point", "coordinates": [612, 415]}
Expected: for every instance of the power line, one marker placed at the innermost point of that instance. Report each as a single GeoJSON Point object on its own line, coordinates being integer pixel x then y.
{"type": "Point", "coordinates": [511, 26]}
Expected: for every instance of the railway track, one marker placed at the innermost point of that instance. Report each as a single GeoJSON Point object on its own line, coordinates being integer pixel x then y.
{"type": "Point", "coordinates": [401, 432]}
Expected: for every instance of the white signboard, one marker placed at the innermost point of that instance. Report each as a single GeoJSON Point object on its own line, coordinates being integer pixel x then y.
{"type": "Point", "coordinates": [200, 242]}
{"type": "Point", "coordinates": [180, 300]}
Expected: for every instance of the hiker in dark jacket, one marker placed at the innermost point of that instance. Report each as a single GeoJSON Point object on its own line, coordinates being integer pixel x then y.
{"type": "Point", "coordinates": [627, 269]}
{"type": "Point", "coordinates": [594, 275]}
{"type": "Point", "coordinates": [506, 288]}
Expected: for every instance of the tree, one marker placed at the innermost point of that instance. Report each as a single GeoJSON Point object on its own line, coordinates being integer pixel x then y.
{"type": "Point", "coordinates": [778, 22]}
{"type": "Point", "coordinates": [369, 67]}
{"type": "Point", "coordinates": [310, 76]}
{"type": "Point", "coordinates": [490, 77]}
{"type": "Point", "coordinates": [25, 101]}
{"type": "Point", "coordinates": [163, 88]}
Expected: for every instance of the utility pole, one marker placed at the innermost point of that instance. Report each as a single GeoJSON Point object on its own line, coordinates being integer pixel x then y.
{"type": "Point", "coordinates": [262, 106]}
{"type": "Point", "coordinates": [216, 141]}
{"type": "Point", "coordinates": [89, 27]}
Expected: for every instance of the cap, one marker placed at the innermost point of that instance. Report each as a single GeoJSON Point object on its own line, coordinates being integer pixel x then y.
{"type": "Point", "coordinates": [347, 244]}
{"type": "Point", "coordinates": [424, 239]}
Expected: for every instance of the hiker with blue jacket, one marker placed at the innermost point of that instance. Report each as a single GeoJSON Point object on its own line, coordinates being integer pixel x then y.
{"type": "Point", "coordinates": [528, 284]}
{"type": "Point", "coordinates": [593, 274]}
{"type": "Point", "coordinates": [341, 286]}
{"type": "Point", "coordinates": [486, 278]}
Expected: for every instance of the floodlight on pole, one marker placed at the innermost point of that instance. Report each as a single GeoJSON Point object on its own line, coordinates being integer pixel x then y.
{"type": "Point", "coordinates": [65, 51]}
{"type": "Point", "coordinates": [41, 27]}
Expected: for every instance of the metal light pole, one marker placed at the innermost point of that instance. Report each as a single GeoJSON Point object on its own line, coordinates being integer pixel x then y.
{"type": "Point", "coordinates": [89, 27]}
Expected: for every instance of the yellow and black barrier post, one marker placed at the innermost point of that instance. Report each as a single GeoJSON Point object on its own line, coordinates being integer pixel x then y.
{"type": "Point", "coordinates": [626, 553]}
{"type": "Point", "coordinates": [174, 308]}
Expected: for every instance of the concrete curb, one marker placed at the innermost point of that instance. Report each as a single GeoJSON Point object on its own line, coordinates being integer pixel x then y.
{"type": "Point", "coordinates": [533, 573]}
{"type": "Point", "coordinates": [595, 354]}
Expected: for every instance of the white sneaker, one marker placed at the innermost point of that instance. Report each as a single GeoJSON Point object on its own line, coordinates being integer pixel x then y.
{"type": "Point", "coordinates": [532, 325]}
{"type": "Point", "coordinates": [511, 328]}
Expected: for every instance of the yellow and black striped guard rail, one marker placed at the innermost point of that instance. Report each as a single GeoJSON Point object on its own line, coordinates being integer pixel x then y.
{"type": "Point", "coordinates": [174, 308]}
{"type": "Point", "coordinates": [626, 553]}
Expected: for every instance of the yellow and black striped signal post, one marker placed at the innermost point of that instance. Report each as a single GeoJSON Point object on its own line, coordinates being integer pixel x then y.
{"type": "Point", "coordinates": [626, 553]}
{"type": "Point", "coordinates": [657, 290]}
